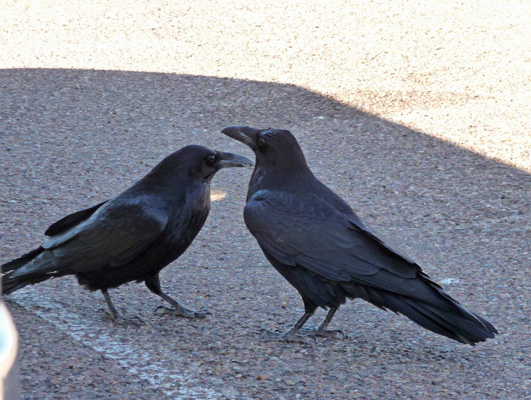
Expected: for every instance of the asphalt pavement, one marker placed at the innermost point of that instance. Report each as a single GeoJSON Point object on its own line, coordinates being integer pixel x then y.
{"type": "Point", "coordinates": [416, 114]}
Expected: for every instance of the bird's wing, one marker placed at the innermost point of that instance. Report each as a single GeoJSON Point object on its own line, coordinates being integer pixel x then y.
{"type": "Point", "coordinates": [311, 233]}
{"type": "Point", "coordinates": [115, 234]}
{"type": "Point", "coordinates": [71, 220]}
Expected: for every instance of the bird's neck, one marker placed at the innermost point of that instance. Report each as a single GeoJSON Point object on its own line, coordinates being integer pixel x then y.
{"type": "Point", "coordinates": [288, 180]}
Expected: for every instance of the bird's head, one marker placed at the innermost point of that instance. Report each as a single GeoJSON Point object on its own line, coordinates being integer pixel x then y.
{"type": "Point", "coordinates": [199, 163]}
{"type": "Point", "coordinates": [274, 148]}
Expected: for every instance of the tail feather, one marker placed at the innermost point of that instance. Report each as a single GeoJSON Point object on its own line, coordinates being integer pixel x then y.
{"type": "Point", "coordinates": [459, 325]}
{"type": "Point", "coordinates": [443, 315]}
{"type": "Point", "coordinates": [36, 266]}
{"type": "Point", "coordinates": [21, 261]}
{"type": "Point", "coordinates": [9, 285]}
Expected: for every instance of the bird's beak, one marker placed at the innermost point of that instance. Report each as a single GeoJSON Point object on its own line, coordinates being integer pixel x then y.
{"type": "Point", "coordinates": [228, 160]}
{"type": "Point", "coordinates": [243, 134]}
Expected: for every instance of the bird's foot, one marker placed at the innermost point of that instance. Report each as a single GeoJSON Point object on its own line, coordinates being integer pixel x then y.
{"type": "Point", "coordinates": [327, 333]}
{"type": "Point", "coordinates": [122, 321]}
{"type": "Point", "coordinates": [288, 336]}
{"type": "Point", "coordinates": [183, 312]}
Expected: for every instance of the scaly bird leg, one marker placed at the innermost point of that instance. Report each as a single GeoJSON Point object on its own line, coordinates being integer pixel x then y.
{"type": "Point", "coordinates": [322, 331]}
{"type": "Point", "coordinates": [180, 310]}
{"type": "Point", "coordinates": [115, 316]}
{"type": "Point", "coordinates": [153, 284]}
{"type": "Point", "coordinates": [291, 335]}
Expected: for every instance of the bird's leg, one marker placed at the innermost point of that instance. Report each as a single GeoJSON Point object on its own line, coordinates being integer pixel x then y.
{"type": "Point", "coordinates": [180, 310]}
{"type": "Point", "coordinates": [115, 316]}
{"type": "Point", "coordinates": [322, 331]}
{"type": "Point", "coordinates": [153, 284]}
{"type": "Point", "coordinates": [112, 310]}
{"type": "Point", "coordinates": [292, 335]}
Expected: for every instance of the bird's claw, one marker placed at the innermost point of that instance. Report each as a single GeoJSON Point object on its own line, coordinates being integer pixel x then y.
{"type": "Point", "coordinates": [183, 312]}
{"type": "Point", "coordinates": [285, 336]}
{"type": "Point", "coordinates": [123, 321]}
{"type": "Point", "coordinates": [327, 333]}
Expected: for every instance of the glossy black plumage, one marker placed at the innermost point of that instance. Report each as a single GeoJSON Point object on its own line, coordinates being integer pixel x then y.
{"type": "Point", "coordinates": [321, 247]}
{"type": "Point", "coordinates": [132, 236]}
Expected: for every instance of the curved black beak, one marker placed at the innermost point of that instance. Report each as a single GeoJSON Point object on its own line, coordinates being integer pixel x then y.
{"type": "Point", "coordinates": [243, 134]}
{"type": "Point", "coordinates": [229, 160]}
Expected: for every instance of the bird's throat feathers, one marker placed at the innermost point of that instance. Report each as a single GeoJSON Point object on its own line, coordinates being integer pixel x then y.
{"type": "Point", "coordinates": [297, 178]}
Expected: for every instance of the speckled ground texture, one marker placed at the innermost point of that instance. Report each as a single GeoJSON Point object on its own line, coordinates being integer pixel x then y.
{"type": "Point", "coordinates": [418, 115]}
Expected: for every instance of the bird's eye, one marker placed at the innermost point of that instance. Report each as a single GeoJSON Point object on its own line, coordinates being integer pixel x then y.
{"type": "Point", "coordinates": [211, 158]}
{"type": "Point", "coordinates": [261, 142]}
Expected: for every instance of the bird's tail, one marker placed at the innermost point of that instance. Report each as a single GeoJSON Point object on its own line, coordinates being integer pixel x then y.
{"type": "Point", "coordinates": [442, 314]}
{"type": "Point", "coordinates": [31, 268]}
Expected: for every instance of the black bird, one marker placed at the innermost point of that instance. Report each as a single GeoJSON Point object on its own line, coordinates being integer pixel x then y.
{"type": "Point", "coordinates": [133, 236]}
{"type": "Point", "coordinates": [320, 246]}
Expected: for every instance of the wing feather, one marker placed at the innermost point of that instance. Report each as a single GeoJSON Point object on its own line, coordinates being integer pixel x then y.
{"type": "Point", "coordinates": [331, 243]}
{"type": "Point", "coordinates": [113, 235]}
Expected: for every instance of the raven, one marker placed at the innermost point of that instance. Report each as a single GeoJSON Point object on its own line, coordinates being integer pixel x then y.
{"type": "Point", "coordinates": [320, 246]}
{"type": "Point", "coordinates": [133, 236]}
